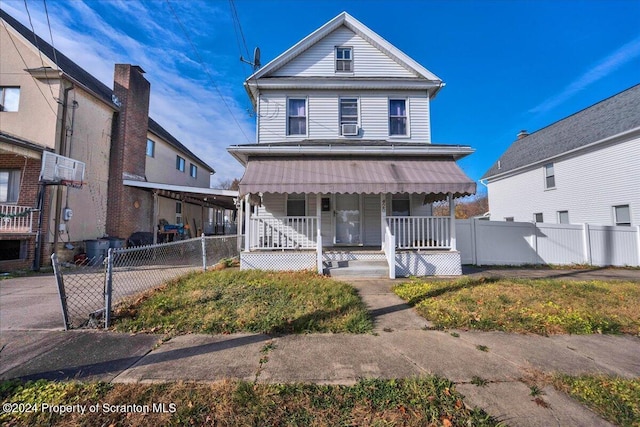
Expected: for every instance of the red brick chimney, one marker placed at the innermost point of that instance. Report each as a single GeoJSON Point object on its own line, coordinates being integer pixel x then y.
{"type": "Point", "coordinates": [129, 209]}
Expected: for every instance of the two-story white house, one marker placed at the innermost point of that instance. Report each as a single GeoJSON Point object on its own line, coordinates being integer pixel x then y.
{"type": "Point", "coordinates": [584, 168]}
{"type": "Point", "coordinates": [344, 171]}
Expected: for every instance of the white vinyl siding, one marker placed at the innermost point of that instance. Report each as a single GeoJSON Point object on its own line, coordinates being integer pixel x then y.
{"type": "Point", "coordinates": [323, 116]}
{"type": "Point", "coordinates": [584, 190]}
{"type": "Point", "coordinates": [319, 59]}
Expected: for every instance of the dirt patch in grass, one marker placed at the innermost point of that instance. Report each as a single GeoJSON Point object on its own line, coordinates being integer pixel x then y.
{"type": "Point", "coordinates": [228, 301]}
{"type": "Point", "coordinates": [615, 399]}
{"type": "Point", "coordinates": [426, 401]}
{"type": "Point", "coordinates": [540, 306]}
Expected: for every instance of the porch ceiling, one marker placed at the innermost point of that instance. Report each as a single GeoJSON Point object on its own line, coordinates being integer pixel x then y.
{"type": "Point", "coordinates": [433, 175]}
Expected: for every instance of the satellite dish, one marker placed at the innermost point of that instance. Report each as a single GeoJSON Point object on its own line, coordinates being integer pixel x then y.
{"type": "Point", "coordinates": [256, 59]}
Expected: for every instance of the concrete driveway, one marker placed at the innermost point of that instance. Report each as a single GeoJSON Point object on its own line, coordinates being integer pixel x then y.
{"type": "Point", "coordinates": [30, 303]}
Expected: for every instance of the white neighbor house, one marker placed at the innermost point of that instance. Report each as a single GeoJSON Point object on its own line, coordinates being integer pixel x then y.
{"type": "Point", "coordinates": [584, 168]}
{"type": "Point", "coordinates": [344, 171]}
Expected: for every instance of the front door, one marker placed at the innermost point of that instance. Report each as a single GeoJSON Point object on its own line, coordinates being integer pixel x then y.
{"type": "Point", "coordinates": [347, 213]}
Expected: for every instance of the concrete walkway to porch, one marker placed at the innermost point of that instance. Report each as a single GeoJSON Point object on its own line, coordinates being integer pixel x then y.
{"type": "Point", "coordinates": [400, 347]}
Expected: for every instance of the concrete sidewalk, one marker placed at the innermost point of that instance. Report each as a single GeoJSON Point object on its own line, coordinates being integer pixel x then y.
{"type": "Point", "coordinates": [400, 347]}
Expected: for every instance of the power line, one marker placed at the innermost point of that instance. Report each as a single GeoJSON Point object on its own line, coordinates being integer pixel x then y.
{"type": "Point", "coordinates": [35, 40]}
{"type": "Point", "coordinates": [238, 28]}
{"type": "Point", "coordinates": [55, 57]}
{"type": "Point", "coordinates": [27, 66]}
{"type": "Point", "coordinates": [206, 70]}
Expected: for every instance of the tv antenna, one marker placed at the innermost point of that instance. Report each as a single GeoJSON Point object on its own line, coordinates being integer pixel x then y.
{"type": "Point", "coordinates": [256, 59]}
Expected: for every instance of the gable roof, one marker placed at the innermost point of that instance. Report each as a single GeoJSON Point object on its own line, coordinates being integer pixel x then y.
{"type": "Point", "coordinates": [91, 84]}
{"type": "Point", "coordinates": [358, 28]}
{"type": "Point", "coordinates": [613, 116]}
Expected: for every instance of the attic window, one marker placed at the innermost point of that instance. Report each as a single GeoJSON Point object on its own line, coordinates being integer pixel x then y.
{"type": "Point", "coordinates": [344, 59]}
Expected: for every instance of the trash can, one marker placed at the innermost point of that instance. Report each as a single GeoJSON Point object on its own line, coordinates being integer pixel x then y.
{"type": "Point", "coordinates": [96, 250]}
{"type": "Point", "coordinates": [115, 242]}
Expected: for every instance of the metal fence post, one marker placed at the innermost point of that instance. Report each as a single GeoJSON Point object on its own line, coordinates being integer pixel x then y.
{"type": "Point", "coordinates": [61, 292]}
{"type": "Point", "coordinates": [108, 287]}
{"type": "Point", "coordinates": [204, 253]}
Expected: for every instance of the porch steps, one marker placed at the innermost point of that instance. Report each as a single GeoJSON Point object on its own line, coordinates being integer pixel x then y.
{"type": "Point", "coordinates": [356, 268]}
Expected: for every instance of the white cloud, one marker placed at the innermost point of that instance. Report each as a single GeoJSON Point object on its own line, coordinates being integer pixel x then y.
{"type": "Point", "coordinates": [183, 99]}
{"type": "Point", "coordinates": [606, 66]}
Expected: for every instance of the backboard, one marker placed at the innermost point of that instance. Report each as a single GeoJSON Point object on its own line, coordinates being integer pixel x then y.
{"type": "Point", "coordinates": [61, 170]}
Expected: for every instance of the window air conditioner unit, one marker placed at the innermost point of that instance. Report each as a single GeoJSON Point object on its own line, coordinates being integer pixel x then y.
{"type": "Point", "coordinates": [349, 129]}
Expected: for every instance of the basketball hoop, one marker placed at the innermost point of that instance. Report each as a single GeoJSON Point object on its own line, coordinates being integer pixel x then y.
{"type": "Point", "coordinates": [72, 184]}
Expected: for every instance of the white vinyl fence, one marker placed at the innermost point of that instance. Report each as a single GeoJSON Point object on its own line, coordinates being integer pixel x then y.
{"type": "Point", "coordinates": [516, 243]}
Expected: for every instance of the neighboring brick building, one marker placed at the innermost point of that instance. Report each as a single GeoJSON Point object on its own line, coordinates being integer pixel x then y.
{"type": "Point", "coordinates": [136, 172]}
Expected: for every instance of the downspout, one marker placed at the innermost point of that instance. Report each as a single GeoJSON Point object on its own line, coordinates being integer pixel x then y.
{"type": "Point", "coordinates": [62, 151]}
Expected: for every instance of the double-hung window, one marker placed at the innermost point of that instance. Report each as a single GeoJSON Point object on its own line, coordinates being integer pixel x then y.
{"type": "Point", "coordinates": [9, 98]}
{"type": "Point", "coordinates": [9, 185]}
{"type": "Point", "coordinates": [398, 117]}
{"type": "Point", "coordinates": [344, 59]}
{"type": "Point", "coordinates": [348, 116]}
{"type": "Point", "coordinates": [622, 215]}
{"type": "Point", "coordinates": [400, 205]}
{"type": "Point", "coordinates": [297, 116]}
{"type": "Point", "coordinates": [563, 217]}
{"type": "Point", "coordinates": [296, 205]}
{"type": "Point", "coordinates": [193, 170]}
{"type": "Point", "coordinates": [180, 163]}
{"type": "Point", "coordinates": [151, 148]}
{"type": "Point", "coordinates": [549, 176]}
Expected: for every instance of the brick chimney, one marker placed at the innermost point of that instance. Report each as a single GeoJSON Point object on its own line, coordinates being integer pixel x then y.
{"type": "Point", "coordinates": [129, 209]}
{"type": "Point", "coordinates": [522, 134]}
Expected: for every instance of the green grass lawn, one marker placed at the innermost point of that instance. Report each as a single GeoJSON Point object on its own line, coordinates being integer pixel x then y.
{"type": "Point", "coordinates": [228, 301]}
{"type": "Point", "coordinates": [615, 399]}
{"type": "Point", "coordinates": [540, 306]}
{"type": "Point", "coordinates": [425, 401]}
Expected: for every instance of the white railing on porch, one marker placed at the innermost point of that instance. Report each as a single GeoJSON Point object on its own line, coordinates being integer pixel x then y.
{"type": "Point", "coordinates": [16, 219]}
{"type": "Point", "coordinates": [421, 232]}
{"type": "Point", "coordinates": [291, 232]}
{"type": "Point", "coordinates": [389, 248]}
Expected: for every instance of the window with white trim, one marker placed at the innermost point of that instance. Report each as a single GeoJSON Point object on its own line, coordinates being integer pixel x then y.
{"type": "Point", "coordinates": [397, 117]}
{"type": "Point", "coordinates": [296, 205]}
{"type": "Point", "coordinates": [9, 185]}
{"type": "Point", "coordinates": [9, 98]}
{"type": "Point", "coordinates": [538, 217]}
{"type": "Point", "coordinates": [344, 59]}
{"type": "Point", "coordinates": [151, 148]}
{"type": "Point", "coordinates": [549, 176]}
{"type": "Point", "coordinates": [400, 205]}
{"type": "Point", "coordinates": [193, 171]}
{"type": "Point", "coordinates": [297, 116]}
{"type": "Point", "coordinates": [563, 217]}
{"type": "Point", "coordinates": [348, 113]}
{"type": "Point", "coordinates": [622, 215]}
{"type": "Point", "coordinates": [180, 163]}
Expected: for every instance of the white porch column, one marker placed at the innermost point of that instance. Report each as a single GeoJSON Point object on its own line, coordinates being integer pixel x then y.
{"type": "Point", "coordinates": [383, 218]}
{"type": "Point", "coordinates": [452, 221]}
{"type": "Point", "coordinates": [319, 232]}
{"type": "Point", "coordinates": [247, 225]}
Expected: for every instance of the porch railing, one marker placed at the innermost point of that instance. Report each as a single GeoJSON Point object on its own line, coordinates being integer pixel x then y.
{"type": "Point", "coordinates": [16, 219]}
{"type": "Point", "coordinates": [421, 232]}
{"type": "Point", "coordinates": [291, 232]}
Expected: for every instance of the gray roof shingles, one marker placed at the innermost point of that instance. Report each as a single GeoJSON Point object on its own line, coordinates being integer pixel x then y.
{"type": "Point", "coordinates": [94, 85]}
{"type": "Point", "coordinates": [605, 119]}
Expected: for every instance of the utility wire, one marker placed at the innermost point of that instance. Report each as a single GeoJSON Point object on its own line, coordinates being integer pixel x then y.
{"type": "Point", "coordinates": [238, 28]}
{"type": "Point", "coordinates": [35, 40]}
{"type": "Point", "coordinates": [55, 57]}
{"type": "Point", "coordinates": [206, 70]}
{"type": "Point", "coordinates": [27, 66]}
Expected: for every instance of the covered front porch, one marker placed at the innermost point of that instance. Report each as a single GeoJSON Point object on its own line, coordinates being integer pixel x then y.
{"type": "Point", "coordinates": [343, 230]}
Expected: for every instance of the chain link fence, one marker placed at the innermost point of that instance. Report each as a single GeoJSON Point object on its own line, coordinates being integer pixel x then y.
{"type": "Point", "coordinates": [89, 291]}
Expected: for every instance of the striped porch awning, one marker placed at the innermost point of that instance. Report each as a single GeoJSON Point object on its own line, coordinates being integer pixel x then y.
{"type": "Point", "coordinates": [435, 176]}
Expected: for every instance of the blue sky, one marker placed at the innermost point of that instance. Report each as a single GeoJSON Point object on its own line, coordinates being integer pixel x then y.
{"type": "Point", "coordinates": [507, 65]}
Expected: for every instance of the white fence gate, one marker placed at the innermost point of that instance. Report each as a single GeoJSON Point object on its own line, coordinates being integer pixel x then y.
{"type": "Point", "coordinates": [516, 243]}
